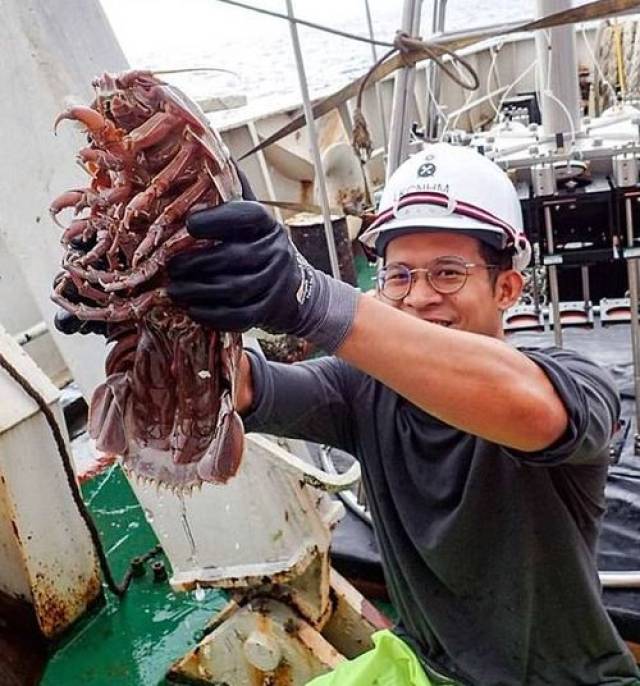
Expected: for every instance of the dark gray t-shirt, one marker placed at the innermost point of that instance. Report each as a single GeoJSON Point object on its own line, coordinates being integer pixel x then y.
{"type": "Point", "coordinates": [489, 554]}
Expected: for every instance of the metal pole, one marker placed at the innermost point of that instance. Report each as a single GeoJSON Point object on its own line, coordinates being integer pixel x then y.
{"type": "Point", "coordinates": [586, 291]}
{"type": "Point", "coordinates": [552, 270]}
{"type": "Point", "coordinates": [315, 149]}
{"type": "Point", "coordinates": [402, 94]}
{"type": "Point", "coordinates": [632, 275]}
{"type": "Point", "coordinates": [432, 73]}
{"type": "Point", "coordinates": [37, 330]}
{"type": "Point", "coordinates": [557, 45]}
{"type": "Point", "coordinates": [374, 55]}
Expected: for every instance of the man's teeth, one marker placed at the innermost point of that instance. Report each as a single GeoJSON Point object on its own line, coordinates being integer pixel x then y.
{"type": "Point", "coordinates": [435, 321]}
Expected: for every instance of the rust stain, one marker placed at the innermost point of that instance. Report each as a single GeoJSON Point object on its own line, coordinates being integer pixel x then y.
{"type": "Point", "coordinates": [371, 613]}
{"type": "Point", "coordinates": [57, 608]}
{"type": "Point", "coordinates": [280, 676]}
{"type": "Point", "coordinates": [291, 626]}
{"type": "Point", "coordinates": [100, 465]}
{"type": "Point", "coordinates": [306, 192]}
{"type": "Point", "coordinates": [16, 533]}
{"type": "Point", "coordinates": [283, 674]}
{"type": "Point", "coordinates": [263, 624]}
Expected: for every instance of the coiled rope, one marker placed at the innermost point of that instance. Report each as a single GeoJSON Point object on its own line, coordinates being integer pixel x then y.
{"type": "Point", "coordinates": [403, 45]}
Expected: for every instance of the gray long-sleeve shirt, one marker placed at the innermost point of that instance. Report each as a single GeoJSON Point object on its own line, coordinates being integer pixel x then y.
{"type": "Point", "coordinates": [489, 553]}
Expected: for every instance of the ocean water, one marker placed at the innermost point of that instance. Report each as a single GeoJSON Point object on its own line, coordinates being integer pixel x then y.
{"type": "Point", "coordinates": [178, 34]}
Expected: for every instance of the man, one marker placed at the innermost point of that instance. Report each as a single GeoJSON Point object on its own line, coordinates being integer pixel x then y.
{"type": "Point", "coordinates": [484, 465]}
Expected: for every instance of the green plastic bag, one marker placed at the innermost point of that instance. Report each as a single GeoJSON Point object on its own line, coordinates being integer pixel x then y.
{"type": "Point", "coordinates": [389, 663]}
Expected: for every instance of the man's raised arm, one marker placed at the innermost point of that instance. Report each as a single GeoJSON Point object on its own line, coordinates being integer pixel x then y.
{"type": "Point", "coordinates": [255, 277]}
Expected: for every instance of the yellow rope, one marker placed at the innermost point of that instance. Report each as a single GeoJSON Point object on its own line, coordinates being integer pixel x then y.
{"type": "Point", "coordinates": [617, 33]}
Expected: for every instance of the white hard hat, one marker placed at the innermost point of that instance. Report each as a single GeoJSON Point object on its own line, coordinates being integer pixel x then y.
{"type": "Point", "coordinates": [451, 188]}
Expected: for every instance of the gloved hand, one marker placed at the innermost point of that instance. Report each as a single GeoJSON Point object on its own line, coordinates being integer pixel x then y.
{"type": "Point", "coordinates": [68, 323]}
{"type": "Point", "coordinates": [256, 278]}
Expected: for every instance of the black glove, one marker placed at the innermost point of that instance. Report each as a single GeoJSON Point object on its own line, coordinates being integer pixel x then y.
{"type": "Point", "coordinates": [256, 278]}
{"type": "Point", "coordinates": [68, 323]}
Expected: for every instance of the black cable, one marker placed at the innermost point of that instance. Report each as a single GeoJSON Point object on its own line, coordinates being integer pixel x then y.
{"type": "Point", "coordinates": [118, 589]}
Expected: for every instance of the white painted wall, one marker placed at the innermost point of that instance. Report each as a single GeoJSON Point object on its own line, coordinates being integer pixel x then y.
{"type": "Point", "coordinates": [51, 50]}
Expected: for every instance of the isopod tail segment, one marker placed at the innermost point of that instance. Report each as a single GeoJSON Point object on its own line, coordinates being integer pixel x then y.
{"type": "Point", "coordinates": [224, 455]}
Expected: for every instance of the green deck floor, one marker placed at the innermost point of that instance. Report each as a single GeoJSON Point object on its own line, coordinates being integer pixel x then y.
{"type": "Point", "coordinates": [133, 641]}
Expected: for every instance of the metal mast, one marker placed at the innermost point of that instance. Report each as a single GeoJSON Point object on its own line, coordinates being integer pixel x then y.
{"type": "Point", "coordinates": [374, 54]}
{"type": "Point", "coordinates": [558, 72]}
{"type": "Point", "coordinates": [434, 81]}
{"type": "Point", "coordinates": [313, 140]}
{"type": "Point", "coordinates": [403, 94]}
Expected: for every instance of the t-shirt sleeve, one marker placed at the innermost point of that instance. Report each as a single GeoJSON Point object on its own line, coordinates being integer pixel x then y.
{"type": "Point", "coordinates": [306, 400]}
{"type": "Point", "coordinates": [593, 405]}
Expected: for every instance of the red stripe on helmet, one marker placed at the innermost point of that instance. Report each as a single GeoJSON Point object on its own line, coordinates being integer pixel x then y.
{"type": "Point", "coordinates": [442, 200]}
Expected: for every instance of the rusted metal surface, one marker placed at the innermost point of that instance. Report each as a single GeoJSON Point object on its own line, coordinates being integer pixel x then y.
{"type": "Point", "coordinates": [307, 593]}
{"type": "Point", "coordinates": [266, 641]}
{"type": "Point", "coordinates": [354, 619]}
{"type": "Point", "coordinates": [46, 554]}
{"type": "Point", "coordinates": [264, 633]}
{"type": "Point", "coordinates": [56, 611]}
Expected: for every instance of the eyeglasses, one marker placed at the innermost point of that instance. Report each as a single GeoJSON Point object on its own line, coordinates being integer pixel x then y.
{"type": "Point", "coordinates": [446, 275]}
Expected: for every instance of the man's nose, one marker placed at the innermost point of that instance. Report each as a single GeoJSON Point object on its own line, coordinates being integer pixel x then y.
{"type": "Point", "coordinates": [422, 292]}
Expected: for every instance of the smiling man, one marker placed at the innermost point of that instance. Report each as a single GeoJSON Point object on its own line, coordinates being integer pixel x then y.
{"type": "Point", "coordinates": [484, 465]}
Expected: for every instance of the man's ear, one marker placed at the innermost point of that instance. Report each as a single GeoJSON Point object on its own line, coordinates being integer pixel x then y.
{"type": "Point", "coordinates": [508, 289]}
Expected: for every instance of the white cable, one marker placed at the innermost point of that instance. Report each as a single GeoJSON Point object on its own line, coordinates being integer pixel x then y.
{"type": "Point", "coordinates": [515, 82]}
{"type": "Point", "coordinates": [494, 57]}
{"type": "Point", "coordinates": [596, 64]}
{"type": "Point", "coordinates": [466, 102]}
{"type": "Point", "coordinates": [547, 35]}
{"type": "Point", "coordinates": [557, 100]}
{"type": "Point", "coordinates": [441, 115]}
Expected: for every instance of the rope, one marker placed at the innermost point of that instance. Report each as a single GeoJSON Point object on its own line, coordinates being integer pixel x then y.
{"type": "Point", "coordinates": [633, 70]}
{"type": "Point", "coordinates": [606, 57]}
{"type": "Point", "coordinates": [119, 589]}
{"type": "Point", "coordinates": [195, 70]}
{"type": "Point", "coordinates": [628, 40]}
{"type": "Point", "coordinates": [600, 81]}
{"type": "Point", "coordinates": [620, 59]}
{"type": "Point", "coordinates": [404, 45]}
{"type": "Point", "coordinates": [494, 51]}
